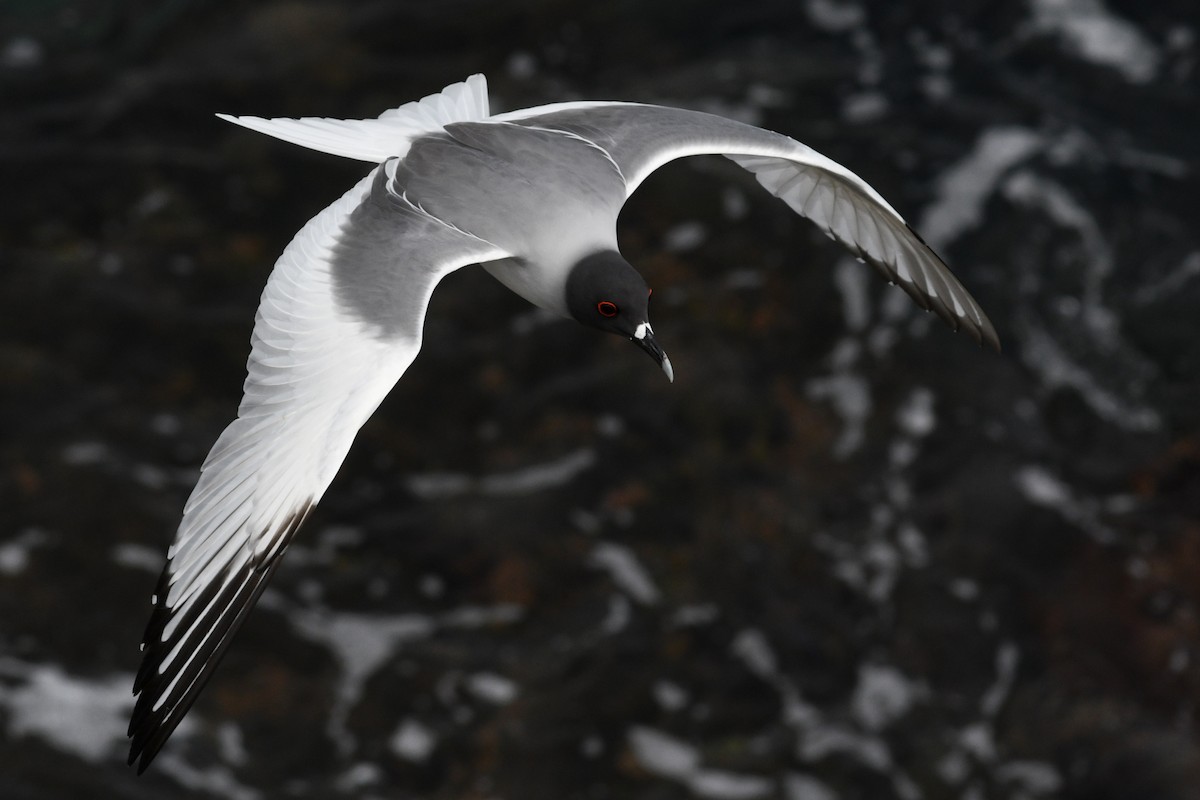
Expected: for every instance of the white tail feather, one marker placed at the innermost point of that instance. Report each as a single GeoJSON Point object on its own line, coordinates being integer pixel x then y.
{"type": "Point", "coordinates": [376, 140]}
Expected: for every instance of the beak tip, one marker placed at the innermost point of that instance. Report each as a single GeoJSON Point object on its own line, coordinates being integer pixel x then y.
{"type": "Point", "coordinates": [643, 337]}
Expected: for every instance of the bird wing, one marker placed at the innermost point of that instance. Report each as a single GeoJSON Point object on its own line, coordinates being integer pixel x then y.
{"type": "Point", "coordinates": [641, 138]}
{"type": "Point", "coordinates": [339, 322]}
{"type": "Point", "coordinates": [376, 140]}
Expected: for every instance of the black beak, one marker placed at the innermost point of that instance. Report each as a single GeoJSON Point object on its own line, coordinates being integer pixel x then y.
{"type": "Point", "coordinates": [648, 343]}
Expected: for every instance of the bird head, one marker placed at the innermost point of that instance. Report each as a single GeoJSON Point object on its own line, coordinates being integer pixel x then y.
{"type": "Point", "coordinates": [605, 292]}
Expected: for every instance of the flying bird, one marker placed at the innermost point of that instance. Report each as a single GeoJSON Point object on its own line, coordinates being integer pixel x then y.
{"type": "Point", "coordinates": [531, 195]}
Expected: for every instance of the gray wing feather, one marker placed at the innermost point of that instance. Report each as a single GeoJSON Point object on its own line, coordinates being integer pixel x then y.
{"type": "Point", "coordinates": [883, 240]}
{"type": "Point", "coordinates": [641, 138]}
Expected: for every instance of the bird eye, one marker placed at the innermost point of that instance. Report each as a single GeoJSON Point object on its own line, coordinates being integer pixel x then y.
{"type": "Point", "coordinates": [607, 309]}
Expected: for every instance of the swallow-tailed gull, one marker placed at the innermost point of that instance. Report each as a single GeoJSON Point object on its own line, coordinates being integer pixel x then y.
{"type": "Point", "coordinates": [533, 196]}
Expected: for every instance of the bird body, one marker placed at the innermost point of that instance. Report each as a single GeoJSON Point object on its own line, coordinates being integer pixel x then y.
{"type": "Point", "coordinates": [532, 195]}
{"type": "Point", "coordinates": [474, 168]}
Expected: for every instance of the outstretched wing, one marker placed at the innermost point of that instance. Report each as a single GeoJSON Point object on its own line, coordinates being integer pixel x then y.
{"type": "Point", "coordinates": [339, 322]}
{"type": "Point", "coordinates": [641, 138]}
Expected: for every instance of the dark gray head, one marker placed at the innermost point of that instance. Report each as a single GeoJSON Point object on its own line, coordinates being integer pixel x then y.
{"type": "Point", "coordinates": [605, 292]}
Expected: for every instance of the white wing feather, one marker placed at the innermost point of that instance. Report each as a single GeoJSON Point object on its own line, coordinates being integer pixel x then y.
{"type": "Point", "coordinates": [376, 140]}
{"type": "Point", "coordinates": [317, 370]}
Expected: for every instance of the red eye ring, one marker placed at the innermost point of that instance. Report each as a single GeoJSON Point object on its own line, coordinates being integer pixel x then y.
{"type": "Point", "coordinates": [607, 309]}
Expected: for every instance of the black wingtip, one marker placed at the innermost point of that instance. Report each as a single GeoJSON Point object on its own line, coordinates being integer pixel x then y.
{"type": "Point", "coordinates": [984, 332]}
{"type": "Point", "coordinates": [163, 698]}
{"type": "Point", "coordinates": [980, 329]}
{"type": "Point", "coordinates": [991, 338]}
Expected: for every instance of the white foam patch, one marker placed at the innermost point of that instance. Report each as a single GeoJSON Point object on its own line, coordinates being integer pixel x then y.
{"type": "Point", "coordinates": [977, 740]}
{"type": "Point", "coordinates": [138, 556]}
{"type": "Point", "coordinates": [526, 480]}
{"type": "Point", "coordinates": [663, 755]}
{"type": "Point", "coordinates": [880, 564]}
{"type": "Point", "coordinates": [834, 16]}
{"type": "Point", "coordinates": [15, 553]}
{"type": "Point", "coordinates": [86, 717]}
{"type": "Point", "coordinates": [913, 546]}
{"type": "Point", "coordinates": [362, 644]}
{"type": "Point", "coordinates": [626, 571]}
{"type": "Point", "coordinates": [963, 189]}
{"type": "Point", "coordinates": [753, 649]}
{"type": "Point", "coordinates": [685, 236]}
{"type": "Point", "coordinates": [867, 106]}
{"type": "Point", "coordinates": [620, 611]}
{"type": "Point", "coordinates": [1036, 777]}
{"type": "Point", "coordinates": [670, 696]}
{"type": "Point", "coordinates": [413, 741]}
{"type": "Point", "coordinates": [355, 778]}
{"type": "Point", "coordinates": [231, 744]}
{"type": "Point", "coordinates": [916, 416]}
{"type": "Point", "coordinates": [832, 739]}
{"type": "Point", "coordinates": [539, 477]}
{"type": "Point", "coordinates": [492, 688]}
{"type": "Point", "coordinates": [1093, 33]}
{"type": "Point", "coordinates": [1007, 658]}
{"type": "Point", "coordinates": [804, 787]}
{"type": "Point", "coordinates": [1042, 488]}
{"type": "Point", "coordinates": [722, 785]}
{"type": "Point", "coordinates": [883, 695]}
{"type": "Point", "coordinates": [667, 757]}
{"type": "Point", "coordinates": [1117, 383]}
{"type": "Point", "coordinates": [214, 781]}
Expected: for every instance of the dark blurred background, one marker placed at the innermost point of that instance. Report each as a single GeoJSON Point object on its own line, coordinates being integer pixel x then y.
{"type": "Point", "coordinates": [847, 554]}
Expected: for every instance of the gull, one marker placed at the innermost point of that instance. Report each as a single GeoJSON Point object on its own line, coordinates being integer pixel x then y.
{"type": "Point", "coordinates": [533, 196]}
